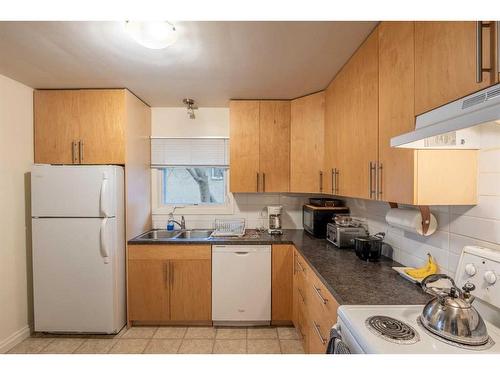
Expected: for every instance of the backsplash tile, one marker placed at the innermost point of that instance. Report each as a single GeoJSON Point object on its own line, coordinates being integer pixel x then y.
{"type": "Point", "coordinates": [251, 207]}
{"type": "Point", "coordinates": [458, 226]}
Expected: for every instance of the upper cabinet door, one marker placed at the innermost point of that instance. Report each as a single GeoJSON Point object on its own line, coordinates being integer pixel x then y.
{"type": "Point", "coordinates": [445, 62]}
{"type": "Point", "coordinates": [396, 109]}
{"type": "Point", "coordinates": [358, 130]}
{"type": "Point", "coordinates": [275, 145]}
{"type": "Point", "coordinates": [244, 146]}
{"type": "Point", "coordinates": [56, 126]}
{"type": "Point", "coordinates": [102, 126]}
{"type": "Point", "coordinates": [307, 143]}
{"type": "Point", "coordinates": [334, 110]}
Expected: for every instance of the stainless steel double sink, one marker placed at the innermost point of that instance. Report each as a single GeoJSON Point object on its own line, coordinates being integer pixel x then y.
{"type": "Point", "coordinates": [187, 234]}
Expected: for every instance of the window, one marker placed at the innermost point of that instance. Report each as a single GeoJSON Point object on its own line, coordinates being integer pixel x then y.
{"type": "Point", "coordinates": [191, 174]}
{"type": "Point", "coordinates": [193, 186]}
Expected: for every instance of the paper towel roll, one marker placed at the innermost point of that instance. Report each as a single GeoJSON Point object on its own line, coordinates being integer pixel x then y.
{"type": "Point", "coordinates": [410, 220]}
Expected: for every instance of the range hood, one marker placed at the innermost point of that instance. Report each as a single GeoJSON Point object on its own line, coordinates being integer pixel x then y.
{"type": "Point", "coordinates": [454, 125]}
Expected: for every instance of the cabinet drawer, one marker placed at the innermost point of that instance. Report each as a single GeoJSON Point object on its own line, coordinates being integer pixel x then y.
{"type": "Point", "coordinates": [167, 252]}
{"type": "Point", "coordinates": [321, 301]}
{"type": "Point", "coordinates": [300, 267]}
{"type": "Point", "coordinates": [318, 335]}
{"type": "Point", "coordinates": [322, 314]}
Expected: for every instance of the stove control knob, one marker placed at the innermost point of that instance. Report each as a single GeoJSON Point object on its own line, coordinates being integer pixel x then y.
{"type": "Point", "coordinates": [470, 269]}
{"type": "Point", "coordinates": [490, 277]}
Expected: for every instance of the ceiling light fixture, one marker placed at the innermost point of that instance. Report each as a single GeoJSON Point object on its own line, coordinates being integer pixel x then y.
{"type": "Point", "coordinates": [152, 34]}
{"type": "Point", "coordinates": [190, 107]}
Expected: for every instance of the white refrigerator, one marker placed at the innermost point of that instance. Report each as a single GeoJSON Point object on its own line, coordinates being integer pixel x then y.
{"type": "Point", "coordinates": [78, 233]}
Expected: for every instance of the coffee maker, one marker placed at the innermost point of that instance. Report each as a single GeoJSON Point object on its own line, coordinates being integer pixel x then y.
{"type": "Point", "coordinates": [274, 217]}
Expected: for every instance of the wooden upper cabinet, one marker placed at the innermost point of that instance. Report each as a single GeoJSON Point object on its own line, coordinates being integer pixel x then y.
{"type": "Point", "coordinates": [396, 109]}
{"type": "Point", "coordinates": [191, 289]}
{"type": "Point", "coordinates": [357, 129]}
{"type": "Point", "coordinates": [81, 126]}
{"type": "Point", "coordinates": [334, 110]}
{"type": "Point", "coordinates": [244, 146]}
{"type": "Point", "coordinates": [417, 177]}
{"type": "Point", "coordinates": [274, 160]}
{"type": "Point", "coordinates": [102, 130]}
{"type": "Point", "coordinates": [56, 126]}
{"type": "Point", "coordinates": [445, 62]}
{"type": "Point", "coordinates": [307, 143]}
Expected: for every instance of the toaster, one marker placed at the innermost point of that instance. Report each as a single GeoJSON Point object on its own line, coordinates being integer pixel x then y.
{"type": "Point", "coordinates": [342, 236]}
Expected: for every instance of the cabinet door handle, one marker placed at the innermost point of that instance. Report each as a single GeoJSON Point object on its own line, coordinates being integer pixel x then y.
{"type": "Point", "coordinates": [263, 182]}
{"type": "Point", "coordinates": [379, 179]}
{"type": "Point", "coordinates": [373, 169]}
{"type": "Point", "coordinates": [167, 274]}
{"type": "Point", "coordinates": [318, 293]}
{"type": "Point", "coordinates": [257, 182]}
{"type": "Point", "coordinates": [337, 189]}
{"type": "Point", "coordinates": [480, 25]}
{"type": "Point", "coordinates": [81, 147]}
{"type": "Point", "coordinates": [172, 267]}
{"type": "Point", "coordinates": [320, 181]}
{"type": "Point", "coordinates": [74, 152]}
{"type": "Point", "coordinates": [318, 332]}
{"type": "Point", "coordinates": [333, 181]}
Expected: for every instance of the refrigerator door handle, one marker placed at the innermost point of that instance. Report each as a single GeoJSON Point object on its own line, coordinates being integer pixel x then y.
{"type": "Point", "coordinates": [102, 240]}
{"type": "Point", "coordinates": [102, 198]}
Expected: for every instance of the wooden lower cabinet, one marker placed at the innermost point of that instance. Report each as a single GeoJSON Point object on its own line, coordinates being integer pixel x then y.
{"type": "Point", "coordinates": [314, 308]}
{"type": "Point", "coordinates": [191, 290]}
{"type": "Point", "coordinates": [148, 290]}
{"type": "Point", "coordinates": [169, 284]}
{"type": "Point", "coordinates": [281, 282]}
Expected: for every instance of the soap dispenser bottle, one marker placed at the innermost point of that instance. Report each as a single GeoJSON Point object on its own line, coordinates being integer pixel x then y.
{"type": "Point", "coordinates": [170, 223]}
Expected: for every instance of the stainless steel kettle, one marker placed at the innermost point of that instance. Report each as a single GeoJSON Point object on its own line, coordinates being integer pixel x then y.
{"type": "Point", "coordinates": [451, 314]}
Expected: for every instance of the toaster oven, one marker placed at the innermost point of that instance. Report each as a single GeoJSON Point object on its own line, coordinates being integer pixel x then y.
{"type": "Point", "coordinates": [342, 236]}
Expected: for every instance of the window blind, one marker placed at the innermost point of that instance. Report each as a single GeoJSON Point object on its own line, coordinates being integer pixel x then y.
{"type": "Point", "coordinates": [168, 152]}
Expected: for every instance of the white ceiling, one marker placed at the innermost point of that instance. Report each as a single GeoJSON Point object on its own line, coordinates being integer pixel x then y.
{"type": "Point", "coordinates": [210, 62]}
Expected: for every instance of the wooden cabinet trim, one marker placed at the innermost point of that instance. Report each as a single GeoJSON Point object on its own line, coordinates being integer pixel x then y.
{"type": "Point", "coordinates": [167, 252]}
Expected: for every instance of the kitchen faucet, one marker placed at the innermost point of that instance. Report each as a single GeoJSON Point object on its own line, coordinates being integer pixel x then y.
{"type": "Point", "coordinates": [182, 224]}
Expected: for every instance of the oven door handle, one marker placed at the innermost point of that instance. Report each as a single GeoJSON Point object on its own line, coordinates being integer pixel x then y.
{"type": "Point", "coordinates": [335, 344]}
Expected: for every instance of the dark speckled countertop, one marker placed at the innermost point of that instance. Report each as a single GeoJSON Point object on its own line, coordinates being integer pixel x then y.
{"type": "Point", "coordinates": [350, 280]}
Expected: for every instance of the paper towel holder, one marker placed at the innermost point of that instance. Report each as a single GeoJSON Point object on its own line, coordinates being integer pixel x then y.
{"type": "Point", "coordinates": [425, 212]}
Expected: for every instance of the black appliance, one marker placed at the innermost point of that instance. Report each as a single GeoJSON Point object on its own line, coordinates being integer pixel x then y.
{"type": "Point", "coordinates": [315, 219]}
{"type": "Point", "coordinates": [369, 248]}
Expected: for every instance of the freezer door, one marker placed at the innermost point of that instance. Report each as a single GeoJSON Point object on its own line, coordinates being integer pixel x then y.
{"type": "Point", "coordinates": [75, 191]}
{"type": "Point", "coordinates": [76, 278]}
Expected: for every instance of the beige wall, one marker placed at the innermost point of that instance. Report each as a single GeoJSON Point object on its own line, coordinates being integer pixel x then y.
{"type": "Point", "coordinates": [16, 157]}
{"type": "Point", "coordinates": [174, 122]}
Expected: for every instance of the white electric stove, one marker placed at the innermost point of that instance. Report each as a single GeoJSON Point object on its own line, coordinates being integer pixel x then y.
{"type": "Point", "coordinates": [393, 329]}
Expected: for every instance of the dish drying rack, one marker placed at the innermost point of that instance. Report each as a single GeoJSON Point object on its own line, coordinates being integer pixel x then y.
{"type": "Point", "coordinates": [229, 228]}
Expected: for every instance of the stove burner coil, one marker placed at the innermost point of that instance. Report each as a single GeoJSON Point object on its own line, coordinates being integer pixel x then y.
{"type": "Point", "coordinates": [392, 330]}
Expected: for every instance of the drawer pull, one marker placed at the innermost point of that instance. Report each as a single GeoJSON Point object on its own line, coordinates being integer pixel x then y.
{"type": "Point", "coordinates": [301, 267]}
{"type": "Point", "coordinates": [318, 332]}
{"type": "Point", "coordinates": [318, 293]}
{"type": "Point", "coordinates": [301, 295]}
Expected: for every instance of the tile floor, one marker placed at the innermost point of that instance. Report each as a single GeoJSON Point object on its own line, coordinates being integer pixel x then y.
{"type": "Point", "coordinates": [170, 340]}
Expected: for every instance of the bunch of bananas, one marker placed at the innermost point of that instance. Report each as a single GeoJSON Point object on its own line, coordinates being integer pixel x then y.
{"type": "Point", "coordinates": [419, 273]}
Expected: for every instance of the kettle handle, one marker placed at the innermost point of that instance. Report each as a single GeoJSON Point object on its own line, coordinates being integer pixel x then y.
{"type": "Point", "coordinates": [438, 292]}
